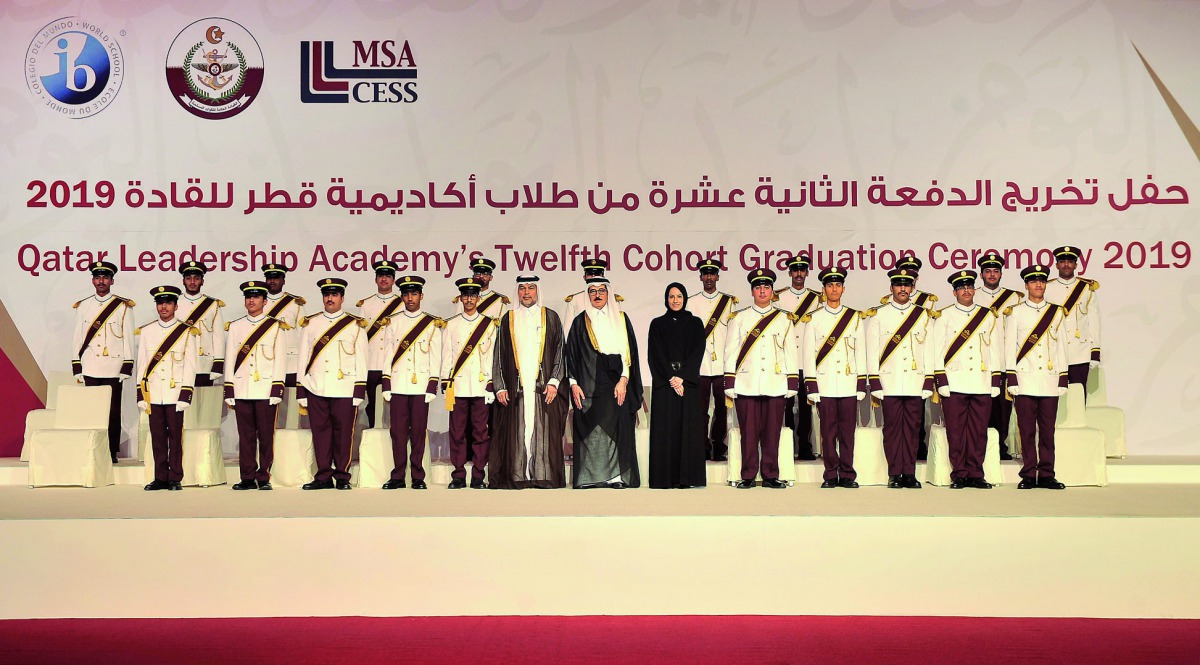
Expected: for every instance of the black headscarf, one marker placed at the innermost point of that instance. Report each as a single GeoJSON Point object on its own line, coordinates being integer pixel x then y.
{"type": "Point", "coordinates": [683, 311]}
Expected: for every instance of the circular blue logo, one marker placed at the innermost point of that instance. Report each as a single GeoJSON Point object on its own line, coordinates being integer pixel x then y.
{"type": "Point", "coordinates": [74, 67]}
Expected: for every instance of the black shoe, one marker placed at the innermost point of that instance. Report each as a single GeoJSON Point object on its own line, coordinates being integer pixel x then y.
{"type": "Point", "coordinates": [806, 457]}
{"type": "Point", "coordinates": [156, 485]}
{"type": "Point", "coordinates": [1050, 483]}
{"type": "Point", "coordinates": [830, 484]}
{"type": "Point", "coordinates": [343, 484]}
{"type": "Point", "coordinates": [980, 483]}
{"type": "Point", "coordinates": [478, 484]}
{"type": "Point", "coordinates": [1005, 455]}
{"type": "Point", "coordinates": [619, 485]}
{"type": "Point", "coordinates": [318, 485]}
{"type": "Point", "coordinates": [114, 458]}
{"type": "Point", "coordinates": [246, 485]}
{"type": "Point", "coordinates": [174, 485]}
{"type": "Point", "coordinates": [394, 485]}
{"type": "Point", "coordinates": [456, 484]}
{"type": "Point", "coordinates": [774, 483]}
{"type": "Point", "coordinates": [418, 485]}
{"type": "Point", "coordinates": [745, 484]}
{"type": "Point", "coordinates": [848, 484]}
{"type": "Point", "coordinates": [910, 481]}
{"type": "Point", "coordinates": [961, 483]}
{"type": "Point", "coordinates": [721, 458]}
{"type": "Point", "coordinates": [894, 482]}
{"type": "Point", "coordinates": [265, 485]}
{"type": "Point", "coordinates": [1027, 484]}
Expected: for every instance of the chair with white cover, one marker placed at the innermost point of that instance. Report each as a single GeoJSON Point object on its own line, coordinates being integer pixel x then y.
{"type": "Point", "coordinates": [1079, 454]}
{"type": "Point", "coordinates": [38, 419]}
{"type": "Point", "coordinates": [1101, 416]}
{"type": "Point", "coordinates": [937, 468]}
{"type": "Point", "coordinates": [75, 451]}
{"type": "Point", "coordinates": [375, 461]}
{"type": "Point", "coordinates": [870, 462]}
{"type": "Point", "coordinates": [787, 463]}
{"type": "Point", "coordinates": [295, 460]}
{"type": "Point", "coordinates": [203, 462]}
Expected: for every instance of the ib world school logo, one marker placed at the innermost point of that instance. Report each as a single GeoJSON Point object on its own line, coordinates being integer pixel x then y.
{"type": "Point", "coordinates": [74, 67]}
{"type": "Point", "coordinates": [214, 68]}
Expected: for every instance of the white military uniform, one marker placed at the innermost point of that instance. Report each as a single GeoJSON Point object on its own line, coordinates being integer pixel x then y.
{"type": "Point", "coordinates": [262, 373]}
{"type": "Point", "coordinates": [977, 365]}
{"type": "Point", "coordinates": [1041, 372]}
{"type": "Point", "coordinates": [799, 303]}
{"type": "Point", "coordinates": [704, 306]}
{"type": "Point", "coordinates": [998, 301]}
{"type": "Point", "coordinates": [341, 366]}
{"type": "Point", "coordinates": [772, 360]}
{"type": "Point", "coordinates": [918, 298]}
{"type": "Point", "coordinates": [421, 363]}
{"type": "Point", "coordinates": [369, 309]}
{"type": "Point", "coordinates": [908, 370]}
{"type": "Point", "coordinates": [210, 345]}
{"type": "Point", "coordinates": [111, 348]}
{"type": "Point", "coordinates": [839, 373]}
{"type": "Point", "coordinates": [174, 376]}
{"type": "Point", "coordinates": [290, 313]}
{"type": "Point", "coordinates": [475, 375]}
{"type": "Point", "coordinates": [1081, 324]}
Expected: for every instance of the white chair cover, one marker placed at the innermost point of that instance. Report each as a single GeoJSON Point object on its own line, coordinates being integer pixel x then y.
{"type": "Point", "coordinates": [44, 418]}
{"type": "Point", "coordinates": [75, 451]}
{"type": "Point", "coordinates": [295, 462]}
{"type": "Point", "coordinates": [938, 468]}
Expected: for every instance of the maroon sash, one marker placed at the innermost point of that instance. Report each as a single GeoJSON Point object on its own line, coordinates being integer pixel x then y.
{"type": "Point", "coordinates": [199, 311]}
{"type": "Point", "coordinates": [905, 327]}
{"type": "Point", "coordinates": [998, 305]}
{"type": "Point", "coordinates": [172, 337]}
{"type": "Point", "coordinates": [387, 311]}
{"type": "Point", "coordinates": [831, 341]}
{"type": "Point", "coordinates": [418, 328]}
{"type": "Point", "coordinates": [965, 334]}
{"type": "Point", "coordinates": [333, 332]}
{"type": "Point", "coordinates": [755, 333]}
{"type": "Point", "coordinates": [286, 300]}
{"type": "Point", "coordinates": [472, 341]}
{"type": "Point", "coordinates": [99, 322]}
{"type": "Point", "coordinates": [488, 302]}
{"type": "Point", "coordinates": [715, 317]}
{"type": "Point", "coordinates": [805, 304]}
{"type": "Point", "coordinates": [1073, 299]}
{"type": "Point", "coordinates": [1038, 331]}
{"type": "Point", "coordinates": [921, 299]}
{"type": "Point", "coordinates": [253, 339]}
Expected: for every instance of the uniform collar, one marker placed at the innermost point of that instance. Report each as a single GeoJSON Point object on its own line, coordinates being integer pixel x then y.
{"type": "Point", "coordinates": [903, 308]}
{"type": "Point", "coordinates": [766, 310]}
{"type": "Point", "coordinates": [251, 319]}
{"type": "Point", "coordinates": [471, 318]}
{"type": "Point", "coordinates": [832, 310]}
{"type": "Point", "coordinates": [110, 296]}
{"type": "Point", "coordinates": [333, 317]}
{"type": "Point", "coordinates": [413, 315]}
{"type": "Point", "coordinates": [168, 324]}
{"type": "Point", "coordinates": [1038, 306]}
{"type": "Point", "coordinates": [1069, 282]}
{"type": "Point", "coordinates": [991, 293]}
{"type": "Point", "coordinates": [190, 298]}
{"type": "Point", "coordinates": [966, 309]}
{"type": "Point", "coordinates": [387, 296]}
{"type": "Point", "coordinates": [704, 294]}
{"type": "Point", "coordinates": [794, 292]}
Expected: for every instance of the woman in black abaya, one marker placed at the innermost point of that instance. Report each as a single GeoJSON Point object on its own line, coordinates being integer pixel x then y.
{"type": "Point", "coordinates": [675, 351]}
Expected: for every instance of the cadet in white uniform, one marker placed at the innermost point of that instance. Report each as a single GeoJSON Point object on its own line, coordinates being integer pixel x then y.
{"type": "Point", "coordinates": [713, 308]}
{"type": "Point", "coordinates": [204, 314]}
{"type": "Point", "coordinates": [799, 300]}
{"type": "Point", "coordinates": [1081, 312]}
{"type": "Point", "coordinates": [466, 373]}
{"type": "Point", "coordinates": [288, 308]}
{"type": "Point", "coordinates": [102, 344]}
{"type": "Point", "coordinates": [997, 298]}
{"type": "Point", "coordinates": [167, 367]}
{"type": "Point", "coordinates": [375, 310]}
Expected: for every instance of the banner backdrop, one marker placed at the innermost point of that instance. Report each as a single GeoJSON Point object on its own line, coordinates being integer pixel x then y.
{"type": "Point", "coordinates": [653, 134]}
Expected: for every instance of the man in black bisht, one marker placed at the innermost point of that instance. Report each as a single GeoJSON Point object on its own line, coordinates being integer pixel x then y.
{"type": "Point", "coordinates": [675, 351]}
{"type": "Point", "coordinates": [606, 389]}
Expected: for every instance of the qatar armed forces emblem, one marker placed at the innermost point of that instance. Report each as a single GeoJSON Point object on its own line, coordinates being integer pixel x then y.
{"type": "Point", "coordinates": [214, 68]}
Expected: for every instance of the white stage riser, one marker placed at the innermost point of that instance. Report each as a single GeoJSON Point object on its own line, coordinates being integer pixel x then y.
{"type": "Point", "coordinates": [1131, 471]}
{"type": "Point", "coordinates": [1065, 567]}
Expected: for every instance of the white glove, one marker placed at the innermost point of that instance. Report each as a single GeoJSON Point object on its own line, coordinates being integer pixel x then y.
{"type": "Point", "coordinates": [387, 396]}
{"type": "Point", "coordinates": [877, 394]}
{"type": "Point", "coordinates": [142, 406]}
{"type": "Point", "coordinates": [182, 406]}
{"type": "Point", "coordinates": [273, 401]}
{"type": "Point", "coordinates": [303, 403]}
{"type": "Point", "coordinates": [995, 392]}
{"type": "Point", "coordinates": [488, 398]}
{"type": "Point", "coordinates": [231, 402]}
{"type": "Point", "coordinates": [357, 401]}
{"type": "Point", "coordinates": [814, 397]}
{"type": "Point", "coordinates": [1014, 390]}
{"type": "Point", "coordinates": [789, 394]}
{"type": "Point", "coordinates": [428, 397]}
{"type": "Point", "coordinates": [122, 376]}
{"type": "Point", "coordinates": [1094, 363]}
{"type": "Point", "coordinates": [860, 396]}
{"type": "Point", "coordinates": [944, 391]}
{"type": "Point", "coordinates": [926, 394]}
{"type": "Point", "coordinates": [731, 394]}
{"type": "Point", "coordinates": [1062, 391]}
{"type": "Point", "coordinates": [214, 375]}
{"type": "Point", "coordinates": [79, 378]}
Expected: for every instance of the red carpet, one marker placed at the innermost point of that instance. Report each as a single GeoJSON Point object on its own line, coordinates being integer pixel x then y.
{"type": "Point", "coordinates": [683, 639]}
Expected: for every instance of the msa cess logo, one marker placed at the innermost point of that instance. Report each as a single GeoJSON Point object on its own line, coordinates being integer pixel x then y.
{"type": "Point", "coordinates": [74, 67]}
{"type": "Point", "coordinates": [378, 72]}
{"type": "Point", "coordinates": [214, 68]}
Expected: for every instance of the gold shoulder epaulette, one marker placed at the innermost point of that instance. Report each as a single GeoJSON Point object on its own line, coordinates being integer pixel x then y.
{"type": "Point", "coordinates": [496, 321]}
{"type": "Point", "coordinates": [777, 291]}
{"type": "Point", "coordinates": [283, 324]}
{"type": "Point", "coordinates": [883, 300]}
{"type": "Point", "coordinates": [127, 301]}
{"type": "Point", "coordinates": [1008, 310]}
{"type": "Point", "coordinates": [227, 325]}
{"type": "Point", "coordinates": [301, 301]}
{"type": "Point", "coordinates": [806, 318]}
{"type": "Point", "coordinates": [933, 313]}
{"type": "Point", "coordinates": [793, 317]}
{"type": "Point", "coordinates": [194, 330]}
{"type": "Point", "coordinates": [454, 300]}
{"type": "Point", "coordinates": [362, 323]}
{"type": "Point", "coordinates": [220, 303]}
{"type": "Point", "coordinates": [735, 313]}
{"type": "Point", "coordinates": [439, 323]}
{"type": "Point", "coordinates": [869, 312]}
{"type": "Point", "coordinates": [78, 303]}
{"type": "Point", "coordinates": [568, 298]}
{"type": "Point", "coordinates": [360, 302]}
{"type": "Point", "coordinates": [505, 300]}
{"type": "Point", "coordinates": [1093, 284]}
{"type": "Point", "coordinates": [932, 298]}
{"type": "Point", "coordinates": [619, 298]}
{"type": "Point", "coordinates": [945, 308]}
{"type": "Point", "coordinates": [735, 300]}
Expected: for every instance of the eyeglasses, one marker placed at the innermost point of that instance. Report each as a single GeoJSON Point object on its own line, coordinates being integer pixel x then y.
{"type": "Point", "coordinates": [596, 292]}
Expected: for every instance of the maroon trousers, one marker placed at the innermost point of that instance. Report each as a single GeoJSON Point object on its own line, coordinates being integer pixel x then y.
{"type": "Point", "coordinates": [760, 419]}
{"type": "Point", "coordinates": [901, 424]}
{"type": "Point", "coordinates": [472, 411]}
{"type": "Point", "coordinates": [839, 415]}
{"type": "Point", "coordinates": [114, 408]}
{"type": "Point", "coordinates": [256, 437]}
{"type": "Point", "coordinates": [374, 380]}
{"type": "Point", "coordinates": [713, 387]}
{"type": "Point", "coordinates": [1035, 425]}
{"type": "Point", "coordinates": [1001, 412]}
{"type": "Point", "coordinates": [1079, 374]}
{"type": "Point", "coordinates": [166, 441]}
{"type": "Point", "coordinates": [331, 420]}
{"type": "Point", "coordinates": [410, 420]}
{"type": "Point", "coordinates": [966, 419]}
